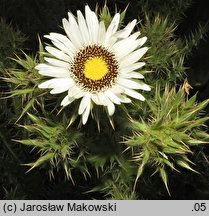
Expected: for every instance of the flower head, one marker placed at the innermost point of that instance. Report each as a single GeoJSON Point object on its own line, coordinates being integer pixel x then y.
{"type": "Point", "coordinates": [94, 64]}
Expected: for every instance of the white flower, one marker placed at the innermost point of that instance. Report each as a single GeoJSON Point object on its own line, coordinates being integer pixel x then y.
{"type": "Point", "coordinates": [95, 64]}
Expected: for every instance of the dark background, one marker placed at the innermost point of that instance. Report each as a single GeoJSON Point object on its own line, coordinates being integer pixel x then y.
{"type": "Point", "coordinates": [33, 17]}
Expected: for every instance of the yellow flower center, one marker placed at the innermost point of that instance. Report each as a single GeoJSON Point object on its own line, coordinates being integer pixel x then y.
{"type": "Point", "coordinates": [95, 68]}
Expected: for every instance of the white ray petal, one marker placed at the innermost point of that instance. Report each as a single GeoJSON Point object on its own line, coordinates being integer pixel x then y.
{"type": "Point", "coordinates": [79, 94]}
{"type": "Point", "coordinates": [132, 75]}
{"type": "Point", "coordinates": [92, 24]}
{"type": "Point", "coordinates": [110, 108]}
{"type": "Point", "coordinates": [133, 84]}
{"type": "Point", "coordinates": [144, 86]}
{"type": "Point", "coordinates": [75, 34]}
{"type": "Point", "coordinates": [117, 89]}
{"type": "Point", "coordinates": [94, 29]}
{"type": "Point", "coordinates": [56, 62]}
{"type": "Point", "coordinates": [111, 42]}
{"type": "Point", "coordinates": [56, 83]}
{"type": "Point", "coordinates": [126, 41]}
{"type": "Point", "coordinates": [95, 98]}
{"type": "Point", "coordinates": [141, 41]}
{"type": "Point", "coordinates": [88, 14]}
{"type": "Point", "coordinates": [62, 39]}
{"type": "Point", "coordinates": [72, 34]}
{"type": "Point", "coordinates": [134, 94]}
{"type": "Point", "coordinates": [75, 92]}
{"type": "Point", "coordinates": [132, 67]}
{"type": "Point", "coordinates": [56, 73]}
{"type": "Point", "coordinates": [101, 33]}
{"type": "Point", "coordinates": [47, 83]}
{"type": "Point", "coordinates": [102, 98]}
{"type": "Point", "coordinates": [86, 113]}
{"type": "Point", "coordinates": [112, 28]}
{"type": "Point", "coordinates": [85, 101]}
{"type": "Point", "coordinates": [124, 99]}
{"type": "Point", "coordinates": [58, 54]}
{"type": "Point", "coordinates": [128, 45]}
{"type": "Point", "coordinates": [67, 100]}
{"type": "Point", "coordinates": [62, 46]}
{"type": "Point", "coordinates": [112, 97]}
{"type": "Point", "coordinates": [61, 85]}
{"type": "Point", "coordinates": [83, 28]}
{"type": "Point", "coordinates": [133, 57]}
{"type": "Point", "coordinates": [59, 89]}
{"type": "Point", "coordinates": [124, 33]}
{"type": "Point", "coordinates": [134, 36]}
{"type": "Point", "coordinates": [129, 83]}
{"type": "Point", "coordinates": [53, 71]}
